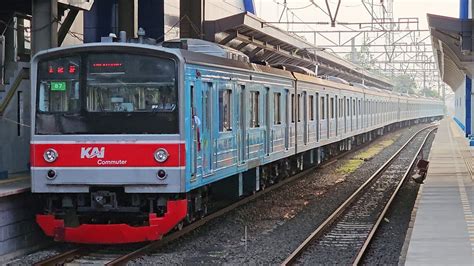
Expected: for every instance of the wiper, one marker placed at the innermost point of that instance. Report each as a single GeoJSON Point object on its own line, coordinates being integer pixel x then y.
{"type": "Point", "coordinates": [71, 115]}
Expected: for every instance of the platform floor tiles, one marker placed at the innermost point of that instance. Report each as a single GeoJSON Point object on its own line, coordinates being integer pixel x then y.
{"type": "Point", "coordinates": [443, 230]}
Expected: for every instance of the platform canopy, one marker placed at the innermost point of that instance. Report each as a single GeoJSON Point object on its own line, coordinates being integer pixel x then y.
{"type": "Point", "coordinates": [261, 41]}
{"type": "Point", "coordinates": [452, 42]}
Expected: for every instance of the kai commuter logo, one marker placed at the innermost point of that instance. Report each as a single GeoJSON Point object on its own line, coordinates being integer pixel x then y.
{"type": "Point", "coordinates": [92, 152]}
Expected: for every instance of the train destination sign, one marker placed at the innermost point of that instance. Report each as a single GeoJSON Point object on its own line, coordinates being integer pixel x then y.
{"type": "Point", "coordinates": [58, 85]}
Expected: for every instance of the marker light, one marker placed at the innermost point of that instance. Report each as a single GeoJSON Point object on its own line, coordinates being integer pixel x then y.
{"type": "Point", "coordinates": [161, 174]}
{"type": "Point", "coordinates": [161, 155]}
{"type": "Point", "coordinates": [50, 155]}
{"type": "Point", "coordinates": [51, 174]}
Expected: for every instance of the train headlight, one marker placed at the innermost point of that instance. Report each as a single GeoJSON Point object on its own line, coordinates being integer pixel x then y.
{"type": "Point", "coordinates": [161, 155]}
{"type": "Point", "coordinates": [50, 155]}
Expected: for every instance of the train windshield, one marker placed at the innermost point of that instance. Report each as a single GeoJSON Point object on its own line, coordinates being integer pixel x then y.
{"type": "Point", "coordinates": [107, 93]}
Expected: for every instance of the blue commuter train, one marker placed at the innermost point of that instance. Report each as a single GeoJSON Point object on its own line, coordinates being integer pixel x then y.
{"type": "Point", "coordinates": [130, 140]}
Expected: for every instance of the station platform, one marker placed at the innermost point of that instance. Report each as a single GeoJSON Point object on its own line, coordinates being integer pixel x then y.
{"type": "Point", "coordinates": [443, 228]}
{"type": "Point", "coordinates": [16, 184]}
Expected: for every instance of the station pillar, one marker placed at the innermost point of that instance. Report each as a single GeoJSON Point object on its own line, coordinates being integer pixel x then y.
{"type": "Point", "coordinates": [192, 16]}
{"type": "Point", "coordinates": [44, 25]}
{"type": "Point", "coordinates": [464, 8]}
{"type": "Point", "coordinates": [151, 17]}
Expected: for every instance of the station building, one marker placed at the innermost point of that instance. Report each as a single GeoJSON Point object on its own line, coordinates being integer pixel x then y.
{"type": "Point", "coordinates": [453, 45]}
{"type": "Point", "coordinates": [28, 26]}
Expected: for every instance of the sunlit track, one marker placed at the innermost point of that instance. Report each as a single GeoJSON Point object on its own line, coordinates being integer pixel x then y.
{"type": "Point", "coordinates": [349, 229]}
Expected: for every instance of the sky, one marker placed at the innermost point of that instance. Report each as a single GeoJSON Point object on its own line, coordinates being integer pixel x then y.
{"type": "Point", "coordinates": [354, 11]}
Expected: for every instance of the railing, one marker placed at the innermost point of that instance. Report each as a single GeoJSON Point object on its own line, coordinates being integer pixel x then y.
{"type": "Point", "coordinates": [24, 73]}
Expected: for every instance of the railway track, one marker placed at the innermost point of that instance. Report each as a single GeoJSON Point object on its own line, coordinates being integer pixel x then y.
{"type": "Point", "coordinates": [107, 256]}
{"type": "Point", "coordinates": [346, 234]}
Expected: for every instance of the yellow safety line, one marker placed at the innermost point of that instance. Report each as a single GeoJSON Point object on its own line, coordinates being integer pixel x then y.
{"type": "Point", "coordinates": [464, 198]}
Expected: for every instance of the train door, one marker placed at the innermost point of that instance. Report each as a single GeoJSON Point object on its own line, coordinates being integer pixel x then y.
{"type": "Point", "coordinates": [207, 138]}
{"type": "Point", "coordinates": [195, 124]}
{"type": "Point", "coordinates": [323, 124]}
{"type": "Point", "coordinates": [317, 116]}
{"type": "Point", "coordinates": [331, 116]}
{"type": "Point", "coordinates": [268, 115]}
{"type": "Point", "coordinates": [305, 118]}
{"type": "Point", "coordinates": [286, 107]}
{"type": "Point", "coordinates": [328, 117]}
{"type": "Point", "coordinates": [353, 113]}
{"type": "Point", "coordinates": [242, 132]}
{"type": "Point", "coordinates": [346, 112]}
{"type": "Point", "coordinates": [334, 104]}
{"type": "Point", "coordinates": [292, 121]}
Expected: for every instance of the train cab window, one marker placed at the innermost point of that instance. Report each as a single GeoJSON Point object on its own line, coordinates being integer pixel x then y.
{"type": "Point", "coordinates": [311, 107]}
{"type": "Point", "coordinates": [331, 108]}
{"type": "Point", "coordinates": [58, 90]}
{"type": "Point", "coordinates": [254, 109]}
{"type": "Point", "coordinates": [99, 93]}
{"type": "Point", "coordinates": [225, 110]}
{"type": "Point", "coordinates": [276, 108]}
{"type": "Point", "coordinates": [323, 108]}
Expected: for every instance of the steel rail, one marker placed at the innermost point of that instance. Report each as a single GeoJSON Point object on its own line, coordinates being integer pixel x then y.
{"type": "Point", "coordinates": [173, 236]}
{"type": "Point", "coordinates": [336, 214]}
{"type": "Point", "coordinates": [363, 249]}
{"type": "Point", "coordinates": [72, 254]}
{"type": "Point", "coordinates": [122, 260]}
{"type": "Point", "coordinates": [61, 258]}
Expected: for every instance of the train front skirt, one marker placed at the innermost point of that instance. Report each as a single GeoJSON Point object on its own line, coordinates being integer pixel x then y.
{"type": "Point", "coordinates": [115, 233]}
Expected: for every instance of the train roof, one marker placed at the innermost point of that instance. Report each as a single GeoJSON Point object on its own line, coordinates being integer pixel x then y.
{"type": "Point", "coordinates": [198, 57]}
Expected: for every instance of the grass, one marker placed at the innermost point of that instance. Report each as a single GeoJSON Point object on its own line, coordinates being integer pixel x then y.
{"type": "Point", "coordinates": [358, 159]}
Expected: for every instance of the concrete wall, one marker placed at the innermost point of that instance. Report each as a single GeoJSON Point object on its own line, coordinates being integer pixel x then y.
{"type": "Point", "coordinates": [14, 141]}
{"type": "Point", "coordinates": [18, 230]}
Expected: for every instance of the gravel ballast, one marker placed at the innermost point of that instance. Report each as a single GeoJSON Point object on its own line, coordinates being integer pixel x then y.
{"type": "Point", "coordinates": [268, 229]}
{"type": "Point", "coordinates": [396, 223]}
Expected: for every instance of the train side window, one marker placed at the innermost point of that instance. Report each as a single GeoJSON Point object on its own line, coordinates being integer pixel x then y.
{"type": "Point", "coordinates": [293, 108]}
{"type": "Point", "coordinates": [300, 106]}
{"type": "Point", "coordinates": [277, 108]}
{"type": "Point", "coordinates": [360, 107]}
{"type": "Point", "coordinates": [311, 107]}
{"type": "Point", "coordinates": [225, 110]}
{"type": "Point", "coordinates": [323, 108]}
{"type": "Point", "coordinates": [348, 107]}
{"type": "Point", "coordinates": [254, 109]}
{"type": "Point", "coordinates": [341, 107]}
{"type": "Point", "coordinates": [353, 107]}
{"type": "Point", "coordinates": [331, 108]}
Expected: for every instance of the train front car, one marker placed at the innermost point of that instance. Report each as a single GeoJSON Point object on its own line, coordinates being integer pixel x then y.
{"type": "Point", "coordinates": [107, 149]}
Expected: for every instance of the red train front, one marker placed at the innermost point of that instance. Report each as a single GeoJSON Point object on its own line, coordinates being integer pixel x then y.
{"type": "Point", "coordinates": [108, 152]}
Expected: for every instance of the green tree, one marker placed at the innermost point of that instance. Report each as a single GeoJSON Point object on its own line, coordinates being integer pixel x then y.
{"type": "Point", "coordinates": [404, 83]}
{"type": "Point", "coordinates": [429, 93]}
